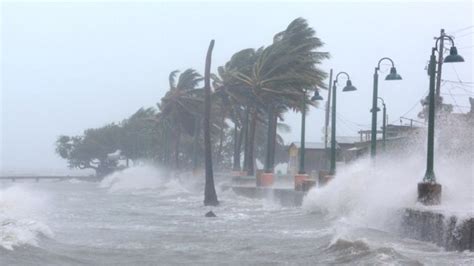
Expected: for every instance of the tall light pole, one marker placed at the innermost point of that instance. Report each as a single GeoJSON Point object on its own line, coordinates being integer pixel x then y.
{"type": "Point", "coordinates": [301, 170]}
{"type": "Point", "coordinates": [299, 178]}
{"type": "Point", "coordinates": [328, 108]}
{"type": "Point", "coordinates": [440, 63]}
{"type": "Point", "coordinates": [392, 76]}
{"type": "Point", "coordinates": [348, 87]}
{"type": "Point", "coordinates": [429, 192]}
{"type": "Point", "coordinates": [384, 123]}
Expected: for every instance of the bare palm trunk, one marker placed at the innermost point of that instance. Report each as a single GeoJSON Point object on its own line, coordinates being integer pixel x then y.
{"type": "Point", "coordinates": [210, 196]}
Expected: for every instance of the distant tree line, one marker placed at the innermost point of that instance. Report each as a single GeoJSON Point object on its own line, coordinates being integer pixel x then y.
{"type": "Point", "coordinates": [250, 94]}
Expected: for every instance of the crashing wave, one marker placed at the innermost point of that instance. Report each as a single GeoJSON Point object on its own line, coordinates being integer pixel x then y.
{"type": "Point", "coordinates": [15, 233]}
{"type": "Point", "coordinates": [142, 178]}
{"type": "Point", "coordinates": [350, 252]}
{"type": "Point", "coordinates": [19, 224]}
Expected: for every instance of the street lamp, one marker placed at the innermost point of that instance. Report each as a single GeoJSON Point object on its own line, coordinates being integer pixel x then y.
{"type": "Point", "coordinates": [384, 123]}
{"type": "Point", "coordinates": [348, 87]}
{"type": "Point", "coordinates": [429, 192]}
{"type": "Point", "coordinates": [301, 176]}
{"type": "Point", "coordinates": [393, 75]}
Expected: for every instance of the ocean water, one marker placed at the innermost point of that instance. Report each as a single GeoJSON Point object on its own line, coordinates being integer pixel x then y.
{"type": "Point", "coordinates": [142, 217]}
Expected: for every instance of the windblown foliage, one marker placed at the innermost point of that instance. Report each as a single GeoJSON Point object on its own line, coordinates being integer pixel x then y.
{"type": "Point", "coordinates": [250, 92]}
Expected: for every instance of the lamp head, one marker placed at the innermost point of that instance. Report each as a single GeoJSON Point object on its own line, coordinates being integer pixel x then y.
{"type": "Point", "coordinates": [317, 96]}
{"type": "Point", "coordinates": [453, 56]}
{"type": "Point", "coordinates": [378, 109]}
{"type": "Point", "coordinates": [349, 86]}
{"type": "Point", "coordinates": [393, 75]}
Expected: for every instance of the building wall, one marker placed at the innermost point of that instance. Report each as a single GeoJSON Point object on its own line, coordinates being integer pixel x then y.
{"type": "Point", "coordinates": [315, 160]}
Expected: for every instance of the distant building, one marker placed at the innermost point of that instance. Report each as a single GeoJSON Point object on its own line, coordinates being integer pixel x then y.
{"type": "Point", "coordinates": [317, 157]}
{"type": "Point", "coordinates": [454, 133]}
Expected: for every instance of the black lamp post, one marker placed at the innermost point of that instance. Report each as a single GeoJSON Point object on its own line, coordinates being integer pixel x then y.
{"type": "Point", "coordinates": [316, 97]}
{"type": "Point", "coordinates": [301, 178]}
{"type": "Point", "coordinates": [384, 123]}
{"type": "Point", "coordinates": [429, 192]}
{"type": "Point", "coordinates": [348, 87]}
{"type": "Point", "coordinates": [392, 76]}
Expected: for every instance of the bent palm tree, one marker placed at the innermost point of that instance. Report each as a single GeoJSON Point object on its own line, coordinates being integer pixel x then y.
{"type": "Point", "coordinates": [282, 74]}
{"type": "Point", "coordinates": [181, 106]}
{"type": "Point", "coordinates": [232, 98]}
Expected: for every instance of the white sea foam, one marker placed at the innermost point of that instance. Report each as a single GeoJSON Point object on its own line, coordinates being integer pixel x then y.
{"type": "Point", "coordinates": [75, 181]}
{"type": "Point", "coordinates": [140, 178]}
{"type": "Point", "coordinates": [133, 178]}
{"type": "Point", "coordinates": [173, 187]}
{"type": "Point", "coordinates": [369, 194]}
{"type": "Point", "coordinates": [20, 212]}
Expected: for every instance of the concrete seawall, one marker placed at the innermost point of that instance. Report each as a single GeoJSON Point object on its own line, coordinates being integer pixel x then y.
{"type": "Point", "coordinates": [284, 196]}
{"type": "Point", "coordinates": [448, 231]}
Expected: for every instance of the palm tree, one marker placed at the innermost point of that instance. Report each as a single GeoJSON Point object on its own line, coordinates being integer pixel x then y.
{"type": "Point", "coordinates": [281, 75]}
{"type": "Point", "coordinates": [232, 97]}
{"type": "Point", "coordinates": [210, 196]}
{"type": "Point", "coordinates": [181, 106]}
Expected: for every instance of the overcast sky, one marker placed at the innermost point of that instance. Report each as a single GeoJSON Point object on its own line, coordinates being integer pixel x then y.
{"type": "Point", "coordinates": [70, 66]}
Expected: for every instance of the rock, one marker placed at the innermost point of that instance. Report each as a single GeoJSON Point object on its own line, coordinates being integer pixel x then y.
{"type": "Point", "coordinates": [210, 214]}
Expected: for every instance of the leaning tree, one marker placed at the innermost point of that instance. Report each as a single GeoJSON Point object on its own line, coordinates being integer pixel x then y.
{"type": "Point", "coordinates": [180, 108]}
{"type": "Point", "coordinates": [281, 77]}
{"type": "Point", "coordinates": [232, 98]}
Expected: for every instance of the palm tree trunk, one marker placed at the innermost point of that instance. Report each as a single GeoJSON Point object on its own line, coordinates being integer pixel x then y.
{"type": "Point", "coordinates": [237, 144]}
{"type": "Point", "coordinates": [237, 141]}
{"type": "Point", "coordinates": [210, 196]}
{"type": "Point", "coordinates": [176, 149]}
{"type": "Point", "coordinates": [270, 141]}
{"type": "Point", "coordinates": [166, 147]}
{"type": "Point", "coordinates": [251, 143]}
{"type": "Point", "coordinates": [197, 131]}
{"type": "Point", "coordinates": [274, 138]}
{"type": "Point", "coordinates": [221, 141]}
{"type": "Point", "coordinates": [246, 139]}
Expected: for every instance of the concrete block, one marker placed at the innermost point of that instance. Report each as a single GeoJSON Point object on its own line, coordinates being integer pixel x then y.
{"type": "Point", "coordinates": [429, 193]}
{"type": "Point", "coordinates": [299, 178]}
{"type": "Point", "coordinates": [265, 180]}
{"type": "Point", "coordinates": [449, 232]}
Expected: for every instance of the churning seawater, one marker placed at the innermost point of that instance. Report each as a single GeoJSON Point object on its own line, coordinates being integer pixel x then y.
{"type": "Point", "coordinates": [140, 217]}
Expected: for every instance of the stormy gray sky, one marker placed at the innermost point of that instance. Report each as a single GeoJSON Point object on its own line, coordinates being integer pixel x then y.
{"type": "Point", "coordinates": [70, 66]}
